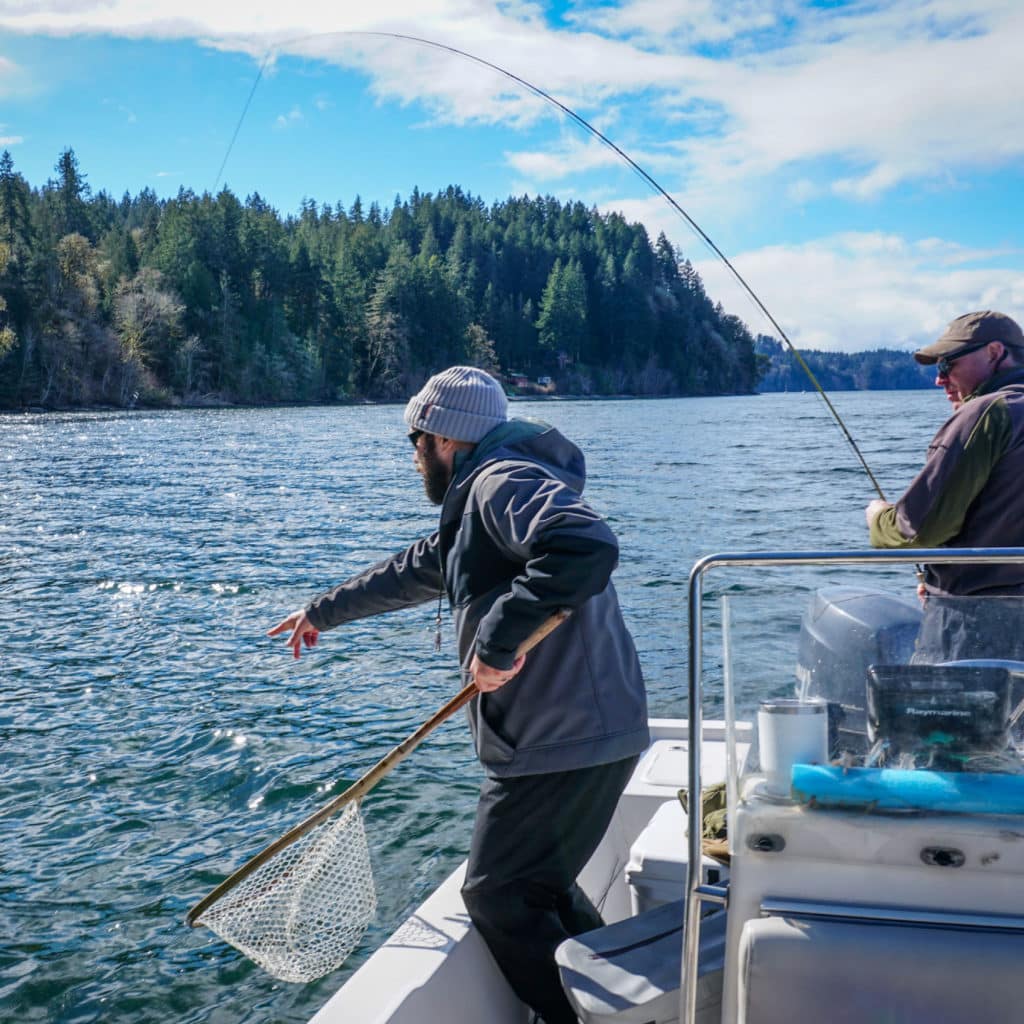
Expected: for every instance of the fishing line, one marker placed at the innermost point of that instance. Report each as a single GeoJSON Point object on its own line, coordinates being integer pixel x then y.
{"type": "Point", "coordinates": [238, 127]}
{"type": "Point", "coordinates": [644, 175]}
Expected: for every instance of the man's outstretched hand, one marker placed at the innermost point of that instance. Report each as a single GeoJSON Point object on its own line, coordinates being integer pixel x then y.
{"type": "Point", "coordinates": [300, 631]}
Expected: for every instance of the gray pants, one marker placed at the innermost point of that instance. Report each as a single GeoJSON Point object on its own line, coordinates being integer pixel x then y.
{"type": "Point", "coordinates": [532, 837]}
{"type": "Point", "coordinates": [959, 628]}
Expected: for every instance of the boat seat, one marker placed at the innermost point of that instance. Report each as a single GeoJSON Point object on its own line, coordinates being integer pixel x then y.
{"type": "Point", "coordinates": [629, 972]}
{"type": "Point", "coordinates": [796, 968]}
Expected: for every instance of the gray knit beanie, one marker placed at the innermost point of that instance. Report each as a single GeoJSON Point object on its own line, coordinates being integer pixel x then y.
{"type": "Point", "coordinates": [462, 403]}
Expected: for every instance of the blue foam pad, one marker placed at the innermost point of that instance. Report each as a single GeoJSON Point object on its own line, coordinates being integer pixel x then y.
{"type": "Point", "coordinates": [892, 789]}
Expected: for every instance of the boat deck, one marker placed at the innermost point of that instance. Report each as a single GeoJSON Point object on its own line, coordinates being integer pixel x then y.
{"type": "Point", "coordinates": [436, 953]}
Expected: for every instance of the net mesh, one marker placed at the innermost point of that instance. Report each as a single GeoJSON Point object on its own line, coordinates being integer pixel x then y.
{"type": "Point", "coordinates": [301, 913]}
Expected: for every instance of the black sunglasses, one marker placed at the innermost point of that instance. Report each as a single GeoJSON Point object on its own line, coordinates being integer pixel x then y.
{"type": "Point", "coordinates": [944, 364]}
{"type": "Point", "coordinates": [414, 437]}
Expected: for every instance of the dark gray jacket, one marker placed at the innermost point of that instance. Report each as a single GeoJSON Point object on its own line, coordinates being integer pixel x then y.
{"type": "Point", "coordinates": [515, 543]}
{"type": "Point", "coordinates": [969, 494]}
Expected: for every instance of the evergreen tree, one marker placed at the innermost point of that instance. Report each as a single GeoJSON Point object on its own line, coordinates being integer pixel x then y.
{"type": "Point", "coordinates": [15, 223]}
{"type": "Point", "coordinates": [69, 195]}
{"type": "Point", "coordinates": [203, 297]}
{"type": "Point", "coordinates": [562, 322]}
{"type": "Point", "coordinates": [7, 335]}
{"type": "Point", "coordinates": [16, 244]}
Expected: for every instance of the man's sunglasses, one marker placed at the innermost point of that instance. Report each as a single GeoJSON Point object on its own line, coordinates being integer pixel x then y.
{"type": "Point", "coordinates": [944, 364]}
{"type": "Point", "coordinates": [414, 437]}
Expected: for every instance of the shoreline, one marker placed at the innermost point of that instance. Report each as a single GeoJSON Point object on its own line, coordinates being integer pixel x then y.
{"type": "Point", "coordinates": [200, 406]}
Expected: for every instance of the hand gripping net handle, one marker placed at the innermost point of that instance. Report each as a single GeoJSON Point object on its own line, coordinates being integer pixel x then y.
{"type": "Point", "coordinates": [300, 905]}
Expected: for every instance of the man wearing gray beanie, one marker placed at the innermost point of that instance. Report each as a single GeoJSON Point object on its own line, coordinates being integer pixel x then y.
{"type": "Point", "coordinates": [558, 732]}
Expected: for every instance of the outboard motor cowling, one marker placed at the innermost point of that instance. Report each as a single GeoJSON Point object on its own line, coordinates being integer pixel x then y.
{"type": "Point", "coordinates": [842, 633]}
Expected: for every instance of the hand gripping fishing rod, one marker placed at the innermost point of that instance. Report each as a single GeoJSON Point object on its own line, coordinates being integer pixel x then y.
{"type": "Point", "coordinates": [644, 175]}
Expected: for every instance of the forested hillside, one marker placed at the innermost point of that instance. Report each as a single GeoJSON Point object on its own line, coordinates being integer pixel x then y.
{"type": "Point", "coordinates": [877, 369]}
{"type": "Point", "coordinates": [208, 299]}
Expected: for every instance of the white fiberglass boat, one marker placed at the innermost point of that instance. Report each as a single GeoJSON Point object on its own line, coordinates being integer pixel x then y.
{"type": "Point", "coordinates": [875, 833]}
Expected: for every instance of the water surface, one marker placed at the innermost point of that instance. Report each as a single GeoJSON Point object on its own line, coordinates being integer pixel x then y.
{"type": "Point", "coordinates": [153, 738]}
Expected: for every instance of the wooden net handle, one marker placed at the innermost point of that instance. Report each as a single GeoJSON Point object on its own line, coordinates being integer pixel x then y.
{"type": "Point", "coordinates": [363, 786]}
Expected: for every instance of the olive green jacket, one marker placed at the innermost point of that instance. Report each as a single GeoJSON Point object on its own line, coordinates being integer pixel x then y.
{"type": "Point", "coordinates": [969, 493]}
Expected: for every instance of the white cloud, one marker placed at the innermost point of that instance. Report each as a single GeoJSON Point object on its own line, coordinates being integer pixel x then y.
{"type": "Point", "coordinates": [10, 140]}
{"type": "Point", "coordinates": [738, 108]}
{"type": "Point", "coordinates": [802, 190]}
{"type": "Point", "coordinates": [700, 21]}
{"type": "Point", "coordinates": [9, 76]}
{"type": "Point", "coordinates": [856, 291]}
{"type": "Point", "coordinates": [890, 92]}
{"type": "Point", "coordinates": [584, 71]}
{"type": "Point", "coordinates": [286, 120]}
{"type": "Point", "coordinates": [886, 92]}
{"type": "Point", "coordinates": [572, 64]}
{"type": "Point", "coordinates": [128, 114]}
{"type": "Point", "coordinates": [573, 156]}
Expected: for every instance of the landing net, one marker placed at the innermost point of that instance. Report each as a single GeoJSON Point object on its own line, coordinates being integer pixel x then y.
{"type": "Point", "coordinates": [301, 913]}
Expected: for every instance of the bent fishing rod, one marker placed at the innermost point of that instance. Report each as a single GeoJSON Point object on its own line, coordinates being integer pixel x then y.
{"type": "Point", "coordinates": [647, 178]}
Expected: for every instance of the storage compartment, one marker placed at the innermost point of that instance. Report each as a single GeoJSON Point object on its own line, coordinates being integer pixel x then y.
{"type": "Point", "coordinates": [663, 771]}
{"type": "Point", "coordinates": [875, 966]}
{"type": "Point", "coordinates": [968, 864]}
{"type": "Point", "coordinates": [656, 872]}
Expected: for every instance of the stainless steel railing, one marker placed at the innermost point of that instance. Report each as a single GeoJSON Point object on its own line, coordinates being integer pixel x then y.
{"type": "Point", "coordinates": [698, 893]}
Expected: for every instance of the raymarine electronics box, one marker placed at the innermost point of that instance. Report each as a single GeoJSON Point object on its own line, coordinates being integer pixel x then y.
{"type": "Point", "coordinates": [656, 872]}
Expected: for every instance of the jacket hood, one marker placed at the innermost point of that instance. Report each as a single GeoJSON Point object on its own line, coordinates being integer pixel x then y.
{"type": "Point", "coordinates": [521, 440]}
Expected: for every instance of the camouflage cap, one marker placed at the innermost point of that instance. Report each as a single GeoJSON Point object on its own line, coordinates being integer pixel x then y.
{"type": "Point", "coordinates": [973, 329]}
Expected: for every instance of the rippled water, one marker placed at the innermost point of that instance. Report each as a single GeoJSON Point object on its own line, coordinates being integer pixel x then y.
{"type": "Point", "coordinates": [153, 738]}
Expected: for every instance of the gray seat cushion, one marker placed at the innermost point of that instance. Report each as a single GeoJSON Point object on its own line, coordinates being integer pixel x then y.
{"type": "Point", "coordinates": [629, 972]}
{"type": "Point", "coordinates": [851, 972]}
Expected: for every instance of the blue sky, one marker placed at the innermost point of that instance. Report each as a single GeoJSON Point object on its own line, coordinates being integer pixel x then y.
{"type": "Point", "coordinates": [861, 163]}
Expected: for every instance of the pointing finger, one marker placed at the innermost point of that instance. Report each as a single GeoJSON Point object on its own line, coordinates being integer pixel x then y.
{"type": "Point", "coordinates": [282, 625]}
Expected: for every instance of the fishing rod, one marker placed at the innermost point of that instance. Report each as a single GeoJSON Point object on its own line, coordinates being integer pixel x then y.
{"type": "Point", "coordinates": [596, 133]}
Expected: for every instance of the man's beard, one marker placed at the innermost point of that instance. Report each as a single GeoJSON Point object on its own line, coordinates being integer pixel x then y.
{"type": "Point", "coordinates": [436, 475]}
